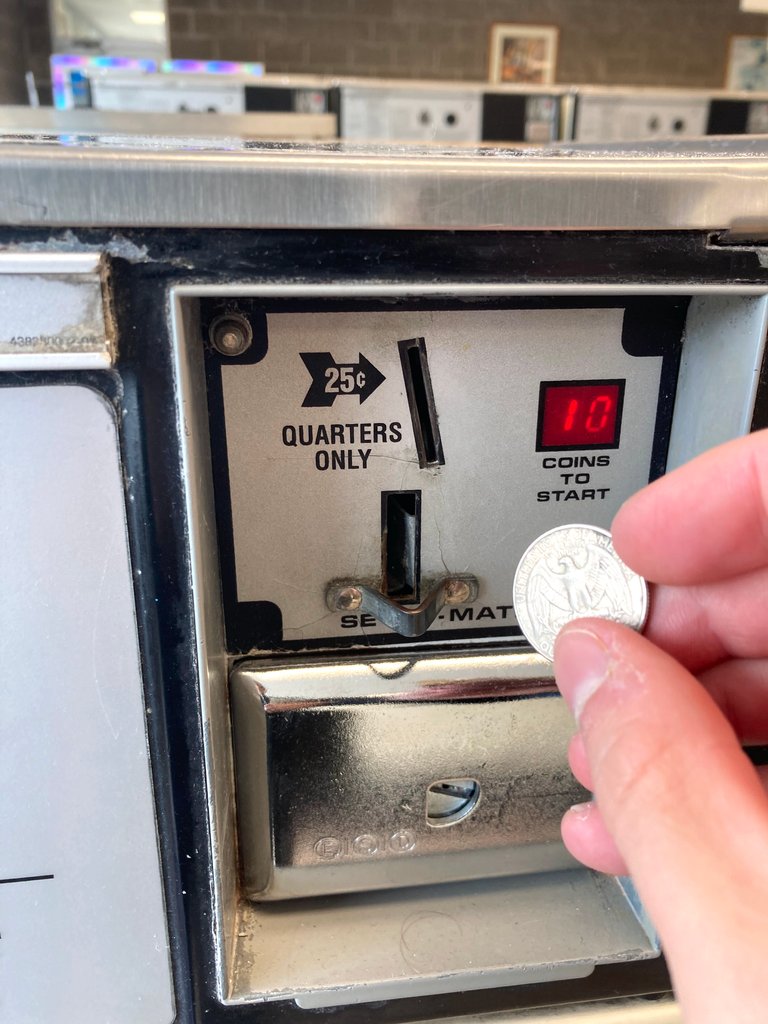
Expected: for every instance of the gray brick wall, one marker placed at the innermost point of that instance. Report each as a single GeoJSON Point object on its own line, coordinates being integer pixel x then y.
{"type": "Point", "coordinates": [25, 45]}
{"type": "Point", "coordinates": [37, 45]}
{"type": "Point", "coordinates": [12, 88]}
{"type": "Point", "coordinates": [633, 42]}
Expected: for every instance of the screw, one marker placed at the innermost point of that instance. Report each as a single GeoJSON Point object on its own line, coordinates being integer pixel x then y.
{"type": "Point", "coordinates": [231, 334]}
{"type": "Point", "coordinates": [348, 599]}
{"type": "Point", "coordinates": [457, 591]}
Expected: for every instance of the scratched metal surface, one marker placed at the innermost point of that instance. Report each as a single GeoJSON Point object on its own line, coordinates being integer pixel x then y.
{"type": "Point", "coordinates": [76, 182]}
{"type": "Point", "coordinates": [381, 945]}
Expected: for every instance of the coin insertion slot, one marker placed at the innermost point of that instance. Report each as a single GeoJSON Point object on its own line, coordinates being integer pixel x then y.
{"type": "Point", "coordinates": [401, 544]}
{"type": "Point", "coordinates": [418, 387]}
{"type": "Point", "coordinates": [451, 800]}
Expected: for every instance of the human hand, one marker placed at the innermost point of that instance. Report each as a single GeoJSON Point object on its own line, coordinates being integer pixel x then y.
{"type": "Point", "coordinates": [662, 717]}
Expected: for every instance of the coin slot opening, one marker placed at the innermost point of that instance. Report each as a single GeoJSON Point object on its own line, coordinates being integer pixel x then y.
{"type": "Point", "coordinates": [418, 387]}
{"type": "Point", "coordinates": [401, 544]}
{"type": "Point", "coordinates": [450, 801]}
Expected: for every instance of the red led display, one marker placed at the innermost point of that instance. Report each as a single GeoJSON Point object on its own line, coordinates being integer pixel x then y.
{"type": "Point", "coordinates": [580, 414]}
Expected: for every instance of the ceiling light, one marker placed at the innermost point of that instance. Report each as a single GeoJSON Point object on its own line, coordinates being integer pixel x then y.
{"type": "Point", "coordinates": [148, 17]}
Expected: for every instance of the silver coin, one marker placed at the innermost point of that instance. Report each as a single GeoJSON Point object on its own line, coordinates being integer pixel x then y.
{"type": "Point", "coordinates": [571, 572]}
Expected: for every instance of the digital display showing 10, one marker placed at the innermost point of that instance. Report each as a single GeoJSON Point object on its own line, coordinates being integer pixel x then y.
{"type": "Point", "coordinates": [579, 414]}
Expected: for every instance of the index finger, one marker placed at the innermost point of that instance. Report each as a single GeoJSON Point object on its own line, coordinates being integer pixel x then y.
{"type": "Point", "coordinates": [703, 522]}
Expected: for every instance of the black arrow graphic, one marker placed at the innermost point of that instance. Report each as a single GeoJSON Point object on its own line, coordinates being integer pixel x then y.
{"type": "Point", "coordinates": [331, 379]}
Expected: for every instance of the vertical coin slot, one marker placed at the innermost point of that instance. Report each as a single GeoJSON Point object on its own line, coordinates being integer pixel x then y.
{"type": "Point", "coordinates": [401, 544]}
{"type": "Point", "coordinates": [418, 387]}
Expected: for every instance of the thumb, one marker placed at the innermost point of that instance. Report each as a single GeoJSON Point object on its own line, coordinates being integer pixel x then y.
{"type": "Point", "coordinates": [685, 808]}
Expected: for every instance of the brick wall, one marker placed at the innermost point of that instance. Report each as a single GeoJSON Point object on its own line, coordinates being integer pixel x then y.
{"type": "Point", "coordinates": [25, 45]}
{"type": "Point", "coordinates": [37, 45]}
{"type": "Point", "coordinates": [635, 42]}
{"type": "Point", "coordinates": [12, 88]}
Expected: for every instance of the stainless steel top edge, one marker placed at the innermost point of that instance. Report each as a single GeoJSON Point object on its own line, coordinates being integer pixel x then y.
{"type": "Point", "coordinates": [86, 182]}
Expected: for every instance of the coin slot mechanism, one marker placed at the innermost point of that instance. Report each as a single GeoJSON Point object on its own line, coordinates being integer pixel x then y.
{"type": "Point", "coordinates": [401, 544]}
{"type": "Point", "coordinates": [418, 387]}
{"type": "Point", "coordinates": [450, 801]}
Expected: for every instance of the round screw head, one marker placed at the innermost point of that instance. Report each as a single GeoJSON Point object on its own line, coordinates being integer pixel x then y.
{"type": "Point", "coordinates": [231, 342]}
{"type": "Point", "coordinates": [457, 591]}
{"type": "Point", "coordinates": [348, 599]}
{"type": "Point", "coordinates": [231, 334]}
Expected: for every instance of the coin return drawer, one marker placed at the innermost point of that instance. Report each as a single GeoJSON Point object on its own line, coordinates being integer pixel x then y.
{"type": "Point", "coordinates": [375, 786]}
{"type": "Point", "coordinates": [398, 772]}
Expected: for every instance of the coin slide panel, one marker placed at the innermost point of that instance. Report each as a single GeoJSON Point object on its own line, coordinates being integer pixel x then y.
{"type": "Point", "coordinates": [336, 774]}
{"type": "Point", "coordinates": [338, 766]}
{"type": "Point", "coordinates": [339, 403]}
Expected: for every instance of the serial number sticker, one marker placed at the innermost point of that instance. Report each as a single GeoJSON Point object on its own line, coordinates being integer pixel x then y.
{"type": "Point", "coordinates": [58, 340]}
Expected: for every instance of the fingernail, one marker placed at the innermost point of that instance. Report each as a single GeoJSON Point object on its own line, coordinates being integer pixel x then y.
{"type": "Point", "coordinates": [581, 666]}
{"type": "Point", "coordinates": [582, 811]}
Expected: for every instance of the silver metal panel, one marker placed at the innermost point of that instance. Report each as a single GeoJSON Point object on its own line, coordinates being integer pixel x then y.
{"type": "Point", "coordinates": [638, 116]}
{"type": "Point", "coordinates": [445, 938]}
{"type": "Point", "coordinates": [270, 941]}
{"type": "Point", "coordinates": [708, 185]}
{"type": "Point", "coordinates": [354, 948]}
{"type": "Point", "coordinates": [723, 351]}
{"type": "Point", "coordinates": [377, 113]}
{"type": "Point", "coordinates": [299, 524]}
{"type": "Point", "coordinates": [76, 802]}
{"type": "Point", "coordinates": [208, 640]}
{"type": "Point", "coordinates": [168, 93]}
{"type": "Point", "coordinates": [54, 314]}
{"type": "Point", "coordinates": [335, 762]}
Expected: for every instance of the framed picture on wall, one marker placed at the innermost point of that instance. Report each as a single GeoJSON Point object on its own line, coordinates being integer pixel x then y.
{"type": "Point", "coordinates": [747, 69]}
{"type": "Point", "coordinates": [524, 54]}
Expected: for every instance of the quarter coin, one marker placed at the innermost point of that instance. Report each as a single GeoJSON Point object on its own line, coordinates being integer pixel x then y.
{"type": "Point", "coordinates": [571, 572]}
